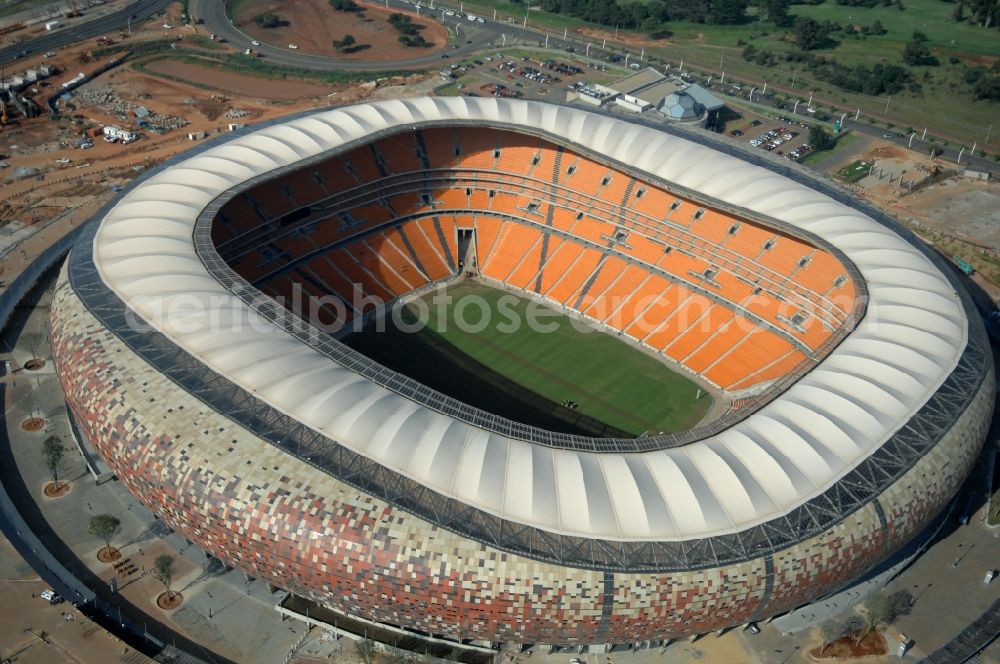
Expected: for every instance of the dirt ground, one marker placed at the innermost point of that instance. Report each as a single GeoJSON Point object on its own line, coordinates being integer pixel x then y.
{"type": "Point", "coordinates": [313, 25]}
{"type": "Point", "coordinates": [238, 84]}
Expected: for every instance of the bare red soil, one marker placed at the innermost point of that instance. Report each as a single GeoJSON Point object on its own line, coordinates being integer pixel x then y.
{"type": "Point", "coordinates": [313, 25]}
{"type": "Point", "coordinates": [237, 84]}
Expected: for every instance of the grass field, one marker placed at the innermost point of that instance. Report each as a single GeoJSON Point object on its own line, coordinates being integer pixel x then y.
{"type": "Point", "coordinates": [854, 171]}
{"type": "Point", "coordinates": [945, 105]}
{"type": "Point", "coordinates": [524, 374]}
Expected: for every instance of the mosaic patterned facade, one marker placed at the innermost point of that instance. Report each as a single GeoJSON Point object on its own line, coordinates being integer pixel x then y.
{"type": "Point", "coordinates": [285, 522]}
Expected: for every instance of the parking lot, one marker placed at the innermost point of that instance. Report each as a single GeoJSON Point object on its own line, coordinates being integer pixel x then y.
{"type": "Point", "coordinates": [786, 137]}
{"type": "Point", "coordinates": [520, 73]}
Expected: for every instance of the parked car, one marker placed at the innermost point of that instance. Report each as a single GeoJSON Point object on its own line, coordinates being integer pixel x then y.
{"type": "Point", "coordinates": [736, 132]}
{"type": "Point", "coordinates": [51, 596]}
{"type": "Point", "coordinates": [255, 42]}
{"type": "Point", "coordinates": [294, 47]}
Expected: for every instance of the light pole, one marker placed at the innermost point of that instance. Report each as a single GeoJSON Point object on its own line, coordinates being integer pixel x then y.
{"type": "Point", "coordinates": [842, 119]}
{"type": "Point", "coordinates": [923, 135]}
{"type": "Point", "coordinates": [708, 82]}
{"type": "Point", "coordinates": [960, 152]}
{"type": "Point", "coordinates": [810, 102]}
{"type": "Point", "coordinates": [642, 55]}
{"type": "Point", "coordinates": [764, 91]}
{"type": "Point", "coordinates": [886, 112]}
{"type": "Point", "coordinates": [795, 109]}
{"type": "Point", "coordinates": [586, 53]}
{"type": "Point", "coordinates": [504, 37]}
{"type": "Point", "coordinates": [910, 144]}
{"type": "Point", "coordinates": [604, 44]}
{"type": "Point", "coordinates": [546, 41]}
{"type": "Point", "coordinates": [626, 58]}
{"type": "Point", "coordinates": [565, 32]}
{"type": "Point", "coordinates": [750, 96]}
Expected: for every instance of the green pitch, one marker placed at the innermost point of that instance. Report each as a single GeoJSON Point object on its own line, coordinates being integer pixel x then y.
{"type": "Point", "coordinates": [473, 351]}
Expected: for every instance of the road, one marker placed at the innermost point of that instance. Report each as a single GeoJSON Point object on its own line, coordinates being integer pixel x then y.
{"type": "Point", "coordinates": [473, 37]}
{"type": "Point", "coordinates": [101, 25]}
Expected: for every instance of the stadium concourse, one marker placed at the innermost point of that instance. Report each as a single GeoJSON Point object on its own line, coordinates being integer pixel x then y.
{"type": "Point", "coordinates": [859, 374]}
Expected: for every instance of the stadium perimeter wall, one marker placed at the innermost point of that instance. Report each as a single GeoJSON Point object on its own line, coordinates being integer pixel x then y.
{"type": "Point", "coordinates": [279, 519]}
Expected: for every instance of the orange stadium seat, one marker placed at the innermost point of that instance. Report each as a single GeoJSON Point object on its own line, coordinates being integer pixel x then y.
{"type": "Point", "coordinates": [561, 255]}
{"type": "Point", "coordinates": [575, 277]}
{"type": "Point", "coordinates": [487, 232]}
{"type": "Point", "coordinates": [620, 294]}
{"type": "Point", "coordinates": [530, 262]}
{"type": "Point", "coordinates": [304, 187]}
{"type": "Point", "coordinates": [719, 341]}
{"type": "Point", "coordinates": [593, 301]}
{"type": "Point", "coordinates": [698, 332]}
{"type": "Point", "coordinates": [784, 255]}
{"type": "Point", "coordinates": [690, 309]}
{"type": "Point", "coordinates": [430, 258]}
{"type": "Point", "coordinates": [400, 154]}
{"type": "Point", "coordinates": [352, 261]}
{"type": "Point", "coordinates": [652, 304]}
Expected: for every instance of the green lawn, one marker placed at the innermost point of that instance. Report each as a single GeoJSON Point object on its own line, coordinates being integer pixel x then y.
{"type": "Point", "coordinates": [854, 171]}
{"type": "Point", "coordinates": [815, 157]}
{"type": "Point", "coordinates": [524, 374]}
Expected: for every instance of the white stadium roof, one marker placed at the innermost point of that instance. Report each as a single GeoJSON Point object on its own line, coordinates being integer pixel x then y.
{"type": "Point", "coordinates": [788, 452]}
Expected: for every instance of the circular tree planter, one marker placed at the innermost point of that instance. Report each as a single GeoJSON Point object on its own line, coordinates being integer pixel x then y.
{"type": "Point", "coordinates": [33, 424]}
{"type": "Point", "coordinates": [169, 601]}
{"type": "Point", "coordinates": [106, 556]}
{"type": "Point", "coordinates": [34, 364]}
{"type": "Point", "coordinates": [54, 490]}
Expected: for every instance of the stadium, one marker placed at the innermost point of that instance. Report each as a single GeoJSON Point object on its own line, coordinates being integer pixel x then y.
{"type": "Point", "coordinates": [849, 376]}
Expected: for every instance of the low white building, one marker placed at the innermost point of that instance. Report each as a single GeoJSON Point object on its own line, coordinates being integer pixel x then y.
{"type": "Point", "coordinates": [113, 133]}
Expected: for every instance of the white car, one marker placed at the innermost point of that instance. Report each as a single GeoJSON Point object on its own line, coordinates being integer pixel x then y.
{"type": "Point", "coordinates": [294, 47]}
{"type": "Point", "coordinates": [255, 42]}
{"type": "Point", "coordinates": [50, 54]}
{"type": "Point", "coordinates": [449, 13]}
{"type": "Point", "coordinates": [167, 26]}
{"type": "Point", "coordinates": [481, 19]}
{"type": "Point", "coordinates": [51, 596]}
{"type": "Point", "coordinates": [471, 17]}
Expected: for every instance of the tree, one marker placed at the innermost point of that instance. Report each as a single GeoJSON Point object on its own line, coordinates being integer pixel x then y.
{"type": "Point", "coordinates": [877, 609]}
{"type": "Point", "coordinates": [777, 12]}
{"type": "Point", "coordinates": [830, 631]}
{"type": "Point", "coordinates": [811, 34]}
{"type": "Point", "coordinates": [901, 601]}
{"type": "Point", "coordinates": [105, 526]}
{"type": "Point", "coordinates": [344, 43]}
{"type": "Point", "coordinates": [818, 138]}
{"type": "Point", "coordinates": [958, 14]}
{"type": "Point", "coordinates": [269, 20]}
{"type": "Point", "coordinates": [164, 570]}
{"type": "Point", "coordinates": [32, 340]}
{"type": "Point", "coordinates": [367, 650]}
{"type": "Point", "coordinates": [727, 12]}
{"type": "Point", "coordinates": [345, 5]}
{"type": "Point", "coordinates": [53, 452]}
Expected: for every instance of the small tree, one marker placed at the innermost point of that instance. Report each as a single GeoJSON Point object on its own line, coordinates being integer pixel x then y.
{"type": "Point", "coordinates": [830, 631]}
{"type": "Point", "coordinates": [367, 650]}
{"type": "Point", "coordinates": [53, 452]}
{"type": "Point", "coordinates": [345, 5]}
{"type": "Point", "coordinates": [901, 602]}
{"type": "Point", "coordinates": [31, 340]}
{"type": "Point", "coordinates": [345, 43]}
{"type": "Point", "coordinates": [877, 610]}
{"type": "Point", "coordinates": [164, 570]}
{"type": "Point", "coordinates": [818, 138]}
{"type": "Point", "coordinates": [105, 526]}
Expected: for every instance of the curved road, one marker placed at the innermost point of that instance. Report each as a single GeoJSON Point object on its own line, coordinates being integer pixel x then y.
{"type": "Point", "coordinates": [142, 9]}
{"type": "Point", "coordinates": [473, 37]}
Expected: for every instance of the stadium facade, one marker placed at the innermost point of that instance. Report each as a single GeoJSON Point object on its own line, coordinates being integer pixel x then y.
{"type": "Point", "coordinates": [288, 456]}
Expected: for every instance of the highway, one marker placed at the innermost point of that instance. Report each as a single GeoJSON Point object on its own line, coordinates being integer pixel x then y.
{"type": "Point", "coordinates": [102, 25]}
